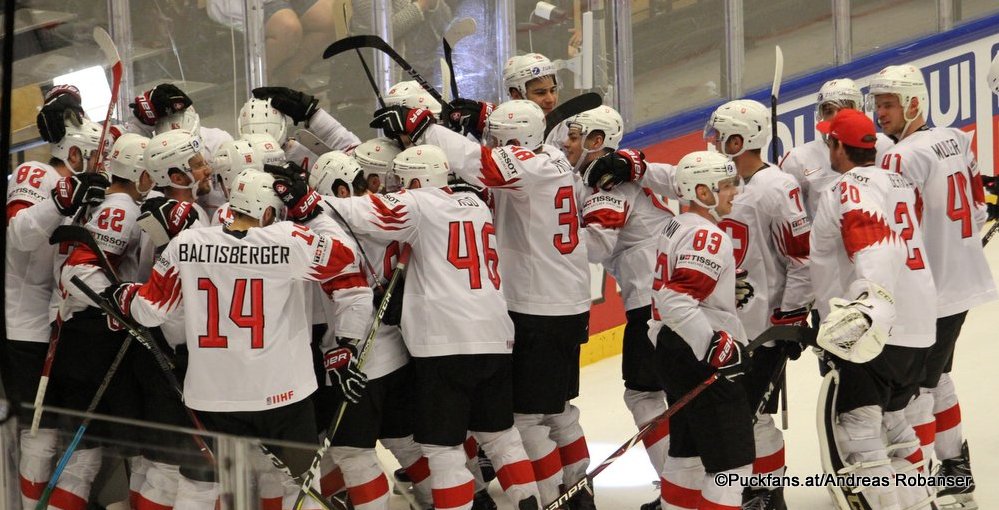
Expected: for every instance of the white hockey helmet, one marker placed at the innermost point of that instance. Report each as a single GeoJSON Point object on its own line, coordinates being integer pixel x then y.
{"type": "Point", "coordinates": [994, 75]}
{"type": "Point", "coordinates": [904, 81]}
{"type": "Point", "coordinates": [411, 95]}
{"type": "Point", "coordinates": [426, 164]}
{"type": "Point", "coordinates": [258, 116]}
{"type": "Point", "coordinates": [843, 92]}
{"type": "Point", "coordinates": [743, 117]}
{"type": "Point", "coordinates": [172, 150]}
{"type": "Point", "coordinates": [709, 168]}
{"type": "Point", "coordinates": [233, 157]}
{"type": "Point", "coordinates": [253, 192]}
{"type": "Point", "coordinates": [125, 159]}
{"type": "Point", "coordinates": [187, 120]}
{"type": "Point", "coordinates": [604, 119]}
{"type": "Point", "coordinates": [521, 69]}
{"type": "Point", "coordinates": [86, 136]}
{"type": "Point", "coordinates": [270, 150]}
{"type": "Point", "coordinates": [517, 120]}
{"type": "Point", "coordinates": [336, 168]}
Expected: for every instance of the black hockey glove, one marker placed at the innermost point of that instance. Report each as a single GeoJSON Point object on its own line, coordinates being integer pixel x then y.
{"type": "Point", "coordinates": [625, 165]}
{"type": "Point", "coordinates": [297, 105]}
{"type": "Point", "coordinates": [396, 121]}
{"type": "Point", "coordinates": [62, 102]}
{"type": "Point", "coordinates": [726, 355]}
{"type": "Point", "coordinates": [163, 218]}
{"type": "Point", "coordinates": [120, 298]}
{"type": "Point", "coordinates": [341, 364]}
{"type": "Point", "coordinates": [84, 189]}
{"type": "Point", "coordinates": [743, 289]}
{"type": "Point", "coordinates": [469, 116]}
{"type": "Point", "coordinates": [991, 184]}
{"type": "Point", "coordinates": [393, 312]}
{"type": "Point", "coordinates": [158, 102]}
{"type": "Point", "coordinates": [301, 201]}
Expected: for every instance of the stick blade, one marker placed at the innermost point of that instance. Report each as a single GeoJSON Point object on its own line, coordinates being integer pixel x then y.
{"type": "Point", "coordinates": [778, 72]}
{"type": "Point", "coordinates": [353, 42]}
{"type": "Point", "coordinates": [106, 44]}
{"type": "Point", "coordinates": [574, 106]}
{"type": "Point", "coordinates": [69, 233]}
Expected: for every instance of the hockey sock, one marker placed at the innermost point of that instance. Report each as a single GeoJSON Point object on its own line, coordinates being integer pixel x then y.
{"type": "Point", "coordinates": [73, 488]}
{"type": "Point", "coordinates": [645, 406]}
{"type": "Point", "coordinates": [471, 447]}
{"type": "Point", "coordinates": [159, 489]}
{"type": "Point", "coordinates": [196, 495]}
{"type": "Point", "coordinates": [36, 464]}
{"type": "Point", "coordinates": [567, 433]}
{"type": "Point", "coordinates": [408, 453]}
{"type": "Point", "coordinates": [769, 447]}
{"type": "Point", "coordinates": [513, 469]}
{"type": "Point", "coordinates": [137, 467]}
{"type": "Point", "coordinates": [366, 482]}
{"type": "Point", "coordinates": [680, 483]}
{"type": "Point", "coordinates": [452, 484]}
{"type": "Point", "coordinates": [858, 439]}
{"type": "Point", "coordinates": [331, 478]}
{"type": "Point", "coordinates": [906, 458]}
{"type": "Point", "coordinates": [543, 452]}
{"type": "Point", "coordinates": [919, 414]}
{"type": "Point", "coordinates": [723, 497]}
{"type": "Point", "coordinates": [947, 414]}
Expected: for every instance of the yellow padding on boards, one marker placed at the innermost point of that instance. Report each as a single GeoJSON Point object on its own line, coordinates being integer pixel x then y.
{"type": "Point", "coordinates": [602, 345]}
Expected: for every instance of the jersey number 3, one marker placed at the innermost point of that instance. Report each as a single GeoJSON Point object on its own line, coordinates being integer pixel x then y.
{"type": "Point", "coordinates": [254, 321]}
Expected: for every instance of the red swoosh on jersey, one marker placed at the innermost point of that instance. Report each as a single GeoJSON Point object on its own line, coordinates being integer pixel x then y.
{"type": "Point", "coordinates": [491, 175]}
{"type": "Point", "coordinates": [607, 218]}
{"type": "Point", "coordinates": [790, 245]}
{"type": "Point", "coordinates": [862, 229]}
{"type": "Point", "coordinates": [388, 215]}
{"type": "Point", "coordinates": [162, 290]}
{"type": "Point", "coordinates": [692, 283]}
{"type": "Point", "coordinates": [340, 257]}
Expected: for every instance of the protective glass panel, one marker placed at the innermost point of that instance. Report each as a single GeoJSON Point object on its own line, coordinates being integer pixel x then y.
{"type": "Point", "coordinates": [970, 9]}
{"type": "Point", "coordinates": [804, 31]}
{"type": "Point", "coordinates": [914, 18]}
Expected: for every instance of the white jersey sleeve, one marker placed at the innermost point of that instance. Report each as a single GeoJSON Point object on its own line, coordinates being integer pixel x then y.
{"type": "Point", "coordinates": [661, 179]}
{"type": "Point", "coordinates": [605, 213]}
{"type": "Point", "coordinates": [351, 309]}
{"type": "Point", "coordinates": [332, 132]}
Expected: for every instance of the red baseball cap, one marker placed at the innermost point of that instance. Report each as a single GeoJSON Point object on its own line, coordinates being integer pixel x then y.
{"type": "Point", "coordinates": [851, 127]}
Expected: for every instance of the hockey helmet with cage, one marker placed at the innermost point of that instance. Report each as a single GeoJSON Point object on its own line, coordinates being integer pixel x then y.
{"type": "Point", "coordinates": [233, 157]}
{"type": "Point", "coordinates": [85, 136]}
{"type": "Point", "coordinates": [518, 120]}
{"type": "Point", "coordinates": [335, 169]}
{"type": "Point", "coordinates": [905, 82]}
{"type": "Point", "coordinates": [172, 150]}
{"type": "Point", "coordinates": [187, 120]}
{"type": "Point", "coordinates": [521, 69]}
{"type": "Point", "coordinates": [708, 168]}
{"type": "Point", "coordinates": [842, 92]}
{"type": "Point", "coordinates": [994, 75]}
{"type": "Point", "coordinates": [253, 192]}
{"type": "Point", "coordinates": [604, 119]}
{"type": "Point", "coordinates": [743, 117]}
{"type": "Point", "coordinates": [125, 160]}
{"type": "Point", "coordinates": [425, 164]}
{"type": "Point", "coordinates": [411, 95]}
{"type": "Point", "coordinates": [270, 151]}
{"type": "Point", "coordinates": [258, 116]}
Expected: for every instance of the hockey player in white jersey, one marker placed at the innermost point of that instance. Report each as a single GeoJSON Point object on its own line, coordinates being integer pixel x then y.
{"type": "Point", "coordinates": [453, 322]}
{"type": "Point", "coordinates": [809, 163]}
{"type": "Point", "coordinates": [546, 273]}
{"type": "Point", "coordinates": [179, 166]}
{"type": "Point", "coordinates": [375, 157]}
{"type": "Point", "coordinates": [875, 295]}
{"type": "Point", "coordinates": [232, 158]}
{"type": "Point", "coordinates": [40, 197]}
{"type": "Point", "coordinates": [769, 229]}
{"type": "Point", "coordinates": [697, 333]}
{"type": "Point", "coordinates": [940, 161]}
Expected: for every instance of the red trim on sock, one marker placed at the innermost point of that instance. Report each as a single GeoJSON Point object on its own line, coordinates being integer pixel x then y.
{"type": "Point", "coordinates": [65, 500]}
{"type": "Point", "coordinates": [711, 505]}
{"type": "Point", "coordinates": [770, 463]}
{"type": "Point", "coordinates": [419, 471]}
{"type": "Point", "coordinates": [369, 491]}
{"type": "Point", "coordinates": [454, 497]}
{"type": "Point", "coordinates": [916, 457]}
{"type": "Point", "coordinates": [676, 495]}
{"type": "Point", "coordinates": [332, 483]}
{"type": "Point", "coordinates": [141, 503]}
{"type": "Point", "coordinates": [948, 418]}
{"type": "Point", "coordinates": [656, 434]}
{"type": "Point", "coordinates": [32, 490]}
{"type": "Point", "coordinates": [517, 473]}
{"type": "Point", "coordinates": [926, 432]}
{"type": "Point", "coordinates": [270, 503]}
{"type": "Point", "coordinates": [471, 447]}
{"type": "Point", "coordinates": [574, 452]}
{"type": "Point", "coordinates": [547, 466]}
{"type": "Point", "coordinates": [133, 499]}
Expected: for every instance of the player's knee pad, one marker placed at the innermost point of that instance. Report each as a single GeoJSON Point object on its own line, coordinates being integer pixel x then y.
{"type": "Point", "coordinates": [447, 465]}
{"type": "Point", "coordinates": [568, 419]}
{"type": "Point", "coordinates": [725, 495]}
{"type": "Point", "coordinates": [944, 395]}
{"type": "Point", "coordinates": [644, 405]}
{"type": "Point", "coordinates": [83, 465]}
{"type": "Point", "coordinates": [41, 445]}
{"type": "Point", "coordinates": [405, 449]}
{"type": "Point", "coordinates": [195, 495]}
{"type": "Point", "coordinates": [681, 481]}
{"type": "Point", "coordinates": [160, 485]}
{"type": "Point", "coordinates": [358, 464]}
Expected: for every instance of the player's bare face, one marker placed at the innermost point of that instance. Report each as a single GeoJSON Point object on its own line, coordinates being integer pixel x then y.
{"type": "Point", "coordinates": [828, 111]}
{"type": "Point", "coordinates": [543, 92]}
{"type": "Point", "coordinates": [201, 172]}
{"type": "Point", "coordinates": [727, 190]}
{"type": "Point", "coordinates": [891, 115]}
{"type": "Point", "coordinates": [573, 146]}
{"type": "Point", "coordinates": [374, 183]}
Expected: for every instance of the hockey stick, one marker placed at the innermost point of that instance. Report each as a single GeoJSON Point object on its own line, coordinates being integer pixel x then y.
{"type": "Point", "coordinates": [789, 333]}
{"type": "Point", "coordinates": [572, 107]}
{"type": "Point", "coordinates": [458, 30]}
{"type": "Point", "coordinates": [400, 270]}
{"type": "Point", "coordinates": [373, 41]}
{"type": "Point", "coordinates": [447, 69]}
{"type": "Point", "coordinates": [992, 231]}
{"type": "Point", "coordinates": [774, 93]}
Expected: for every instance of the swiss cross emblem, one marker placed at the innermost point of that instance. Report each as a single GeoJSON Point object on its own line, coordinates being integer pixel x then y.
{"type": "Point", "coordinates": [739, 232]}
{"type": "Point", "coordinates": [378, 148]}
{"type": "Point", "coordinates": [240, 187]}
{"type": "Point", "coordinates": [248, 158]}
{"type": "Point", "coordinates": [509, 116]}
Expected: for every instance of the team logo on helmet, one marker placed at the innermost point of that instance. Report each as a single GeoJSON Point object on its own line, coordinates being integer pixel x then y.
{"type": "Point", "coordinates": [535, 71]}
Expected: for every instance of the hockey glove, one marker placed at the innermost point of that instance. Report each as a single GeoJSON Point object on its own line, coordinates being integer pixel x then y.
{"type": "Point", "coordinates": [743, 289]}
{"type": "Point", "coordinates": [625, 165]}
{"type": "Point", "coordinates": [341, 364]}
{"type": "Point", "coordinates": [991, 187]}
{"type": "Point", "coordinates": [469, 116]}
{"type": "Point", "coordinates": [297, 105]}
{"type": "Point", "coordinates": [120, 298]}
{"type": "Point", "coordinates": [158, 102]}
{"type": "Point", "coordinates": [725, 355]}
{"type": "Point", "coordinates": [301, 201]}
{"type": "Point", "coordinates": [163, 218]}
{"type": "Point", "coordinates": [796, 317]}
{"type": "Point", "coordinates": [396, 121]}
{"type": "Point", "coordinates": [62, 102]}
{"type": "Point", "coordinates": [84, 189]}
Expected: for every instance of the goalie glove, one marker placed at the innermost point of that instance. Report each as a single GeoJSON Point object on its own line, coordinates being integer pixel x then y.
{"type": "Point", "coordinates": [82, 189]}
{"type": "Point", "coordinates": [341, 364]}
{"type": "Point", "coordinates": [725, 355]}
{"type": "Point", "coordinates": [743, 289]}
{"type": "Point", "coordinates": [468, 116]}
{"type": "Point", "coordinates": [163, 218]}
{"type": "Point", "coordinates": [858, 330]}
{"type": "Point", "coordinates": [299, 106]}
{"type": "Point", "coordinates": [625, 165]}
{"type": "Point", "coordinates": [396, 121]}
{"type": "Point", "coordinates": [62, 102]}
{"type": "Point", "coordinates": [301, 201]}
{"type": "Point", "coordinates": [158, 102]}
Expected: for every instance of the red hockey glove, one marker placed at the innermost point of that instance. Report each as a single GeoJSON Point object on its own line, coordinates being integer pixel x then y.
{"type": "Point", "coordinates": [62, 102]}
{"type": "Point", "coordinates": [301, 201]}
{"type": "Point", "coordinates": [469, 116]}
{"type": "Point", "coordinates": [163, 218]}
{"type": "Point", "coordinates": [160, 101]}
{"type": "Point", "coordinates": [120, 298]}
{"type": "Point", "coordinates": [84, 189]}
{"type": "Point", "coordinates": [341, 364]}
{"type": "Point", "coordinates": [725, 354]}
{"type": "Point", "coordinates": [396, 121]}
{"type": "Point", "coordinates": [626, 165]}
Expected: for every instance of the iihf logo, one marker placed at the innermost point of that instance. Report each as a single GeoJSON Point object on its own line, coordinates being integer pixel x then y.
{"type": "Point", "coordinates": [535, 71]}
